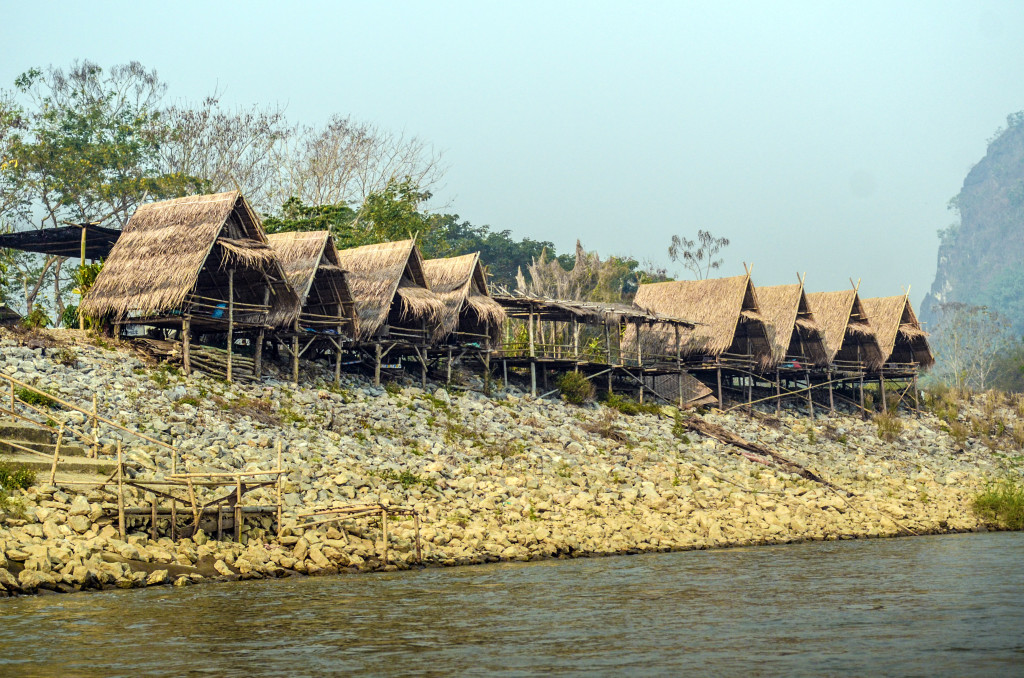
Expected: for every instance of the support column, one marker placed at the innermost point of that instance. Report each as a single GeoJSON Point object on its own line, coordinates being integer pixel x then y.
{"type": "Point", "coordinates": [863, 410]}
{"type": "Point", "coordinates": [778, 393]}
{"type": "Point", "coordinates": [337, 359]}
{"type": "Point", "coordinates": [810, 394]}
{"type": "Point", "coordinates": [533, 357]}
{"type": "Point", "coordinates": [917, 398]}
{"type": "Point", "coordinates": [608, 353]}
{"type": "Point", "coordinates": [448, 380]}
{"type": "Point", "coordinates": [487, 368]}
{"type": "Point", "coordinates": [831, 399]}
{"type": "Point", "coordinates": [881, 392]}
{"type": "Point", "coordinates": [81, 295]}
{"type": "Point", "coordinates": [186, 345]}
{"type": "Point", "coordinates": [679, 368]}
{"type": "Point", "coordinates": [257, 362]}
{"type": "Point", "coordinates": [721, 401]}
{"type": "Point", "coordinates": [639, 361]}
{"type": "Point", "coordinates": [295, 351]}
{"type": "Point", "coordinates": [376, 364]}
{"type": "Point", "coordinates": [576, 344]}
{"type": "Point", "coordinates": [231, 318]}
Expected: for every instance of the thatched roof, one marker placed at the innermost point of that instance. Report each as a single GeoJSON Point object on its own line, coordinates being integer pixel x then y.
{"type": "Point", "coordinates": [462, 286]}
{"type": "Point", "coordinates": [796, 332]}
{"type": "Point", "coordinates": [309, 258]}
{"type": "Point", "coordinates": [899, 334]}
{"type": "Point", "coordinates": [156, 262]}
{"type": "Point", "coordinates": [846, 327]}
{"type": "Point", "coordinates": [378, 274]}
{"type": "Point", "coordinates": [726, 309]}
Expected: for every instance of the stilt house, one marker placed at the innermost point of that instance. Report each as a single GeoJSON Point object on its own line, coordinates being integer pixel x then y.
{"type": "Point", "coordinates": [728, 316]}
{"type": "Point", "coordinates": [392, 297]}
{"type": "Point", "coordinates": [902, 341]}
{"type": "Point", "coordinates": [849, 338]}
{"type": "Point", "coordinates": [797, 340]}
{"type": "Point", "coordinates": [201, 261]}
{"type": "Point", "coordinates": [310, 262]}
{"type": "Point", "coordinates": [471, 315]}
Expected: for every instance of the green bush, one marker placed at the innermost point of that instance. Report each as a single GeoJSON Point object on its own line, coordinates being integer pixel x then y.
{"type": "Point", "coordinates": [16, 477]}
{"type": "Point", "coordinates": [576, 388]}
{"type": "Point", "coordinates": [629, 406]}
{"type": "Point", "coordinates": [69, 318]}
{"type": "Point", "coordinates": [29, 396]}
{"type": "Point", "coordinates": [392, 388]}
{"type": "Point", "coordinates": [36, 319]}
{"type": "Point", "coordinates": [1002, 502]}
{"type": "Point", "coordinates": [889, 427]}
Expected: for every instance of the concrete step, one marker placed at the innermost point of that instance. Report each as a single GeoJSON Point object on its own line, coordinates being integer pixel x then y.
{"type": "Point", "coordinates": [22, 431]}
{"type": "Point", "coordinates": [46, 448]}
{"type": "Point", "coordinates": [78, 465]}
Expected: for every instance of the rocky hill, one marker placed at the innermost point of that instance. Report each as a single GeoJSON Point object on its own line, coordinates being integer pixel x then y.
{"type": "Point", "coordinates": [979, 259]}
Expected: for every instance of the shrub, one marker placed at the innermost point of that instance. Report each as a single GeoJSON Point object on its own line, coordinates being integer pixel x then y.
{"type": "Point", "coordinates": [576, 388]}
{"type": "Point", "coordinates": [65, 356]}
{"type": "Point", "coordinates": [16, 477]}
{"type": "Point", "coordinates": [36, 319]}
{"type": "Point", "coordinates": [1002, 502]}
{"type": "Point", "coordinates": [392, 388]}
{"type": "Point", "coordinates": [69, 318]}
{"type": "Point", "coordinates": [889, 427]}
{"type": "Point", "coordinates": [629, 406]}
{"type": "Point", "coordinates": [31, 397]}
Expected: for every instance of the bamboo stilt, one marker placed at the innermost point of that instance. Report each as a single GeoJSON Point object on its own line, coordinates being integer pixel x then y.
{"type": "Point", "coordinates": [295, 352]}
{"type": "Point", "coordinates": [280, 484]}
{"type": "Point", "coordinates": [95, 428]}
{"type": "Point", "coordinates": [152, 518]}
{"type": "Point", "coordinates": [376, 364]}
{"type": "Point", "coordinates": [81, 318]}
{"type": "Point", "coordinates": [120, 493]}
{"type": "Point", "coordinates": [238, 509]}
{"type": "Point", "coordinates": [881, 393]}
{"type": "Point", "coordinates": [810, 397]}
{"type": "Point", "coordinates": [56, 454]}
{"type": "Point", "coordinates": [533, 358]}
{"type": "Point", "coordinates": [186, 345]}
{"type": "Point", "coordinates": [721, 400]}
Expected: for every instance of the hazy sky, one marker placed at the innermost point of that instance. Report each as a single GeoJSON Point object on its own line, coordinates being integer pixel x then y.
{"type": "Point", "coordinates": [819, 137]}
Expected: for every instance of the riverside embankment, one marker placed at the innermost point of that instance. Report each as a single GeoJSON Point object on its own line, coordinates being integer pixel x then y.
{"type": "Point", "coordinates": [494, 478]}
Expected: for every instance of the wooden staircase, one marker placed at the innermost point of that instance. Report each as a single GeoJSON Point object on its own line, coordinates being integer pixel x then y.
{"type": "Point", "coordinates": [22, 444]}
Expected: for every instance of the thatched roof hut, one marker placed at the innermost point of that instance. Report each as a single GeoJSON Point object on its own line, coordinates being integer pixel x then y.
{"type": "Point", "coordinates": [849, 336]}
{"type": "Point", "coordinates": [797, 335]}
{"type": "Point", "coordinates": [389, 287]}
{"type": "Point", "coordinates": [727, 310]}
{"type": "Point", "coordinates": [461, 284]}
{"type": "Point", "coordinates": [899, 334]}
{"type": "Point", "coordinates": [310, 262]}
{"type": "Point", "coordinates": [173, 258]}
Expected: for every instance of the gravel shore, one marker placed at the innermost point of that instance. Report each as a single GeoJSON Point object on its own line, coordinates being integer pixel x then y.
{"type": "Point", "coordinates": [505, 477]}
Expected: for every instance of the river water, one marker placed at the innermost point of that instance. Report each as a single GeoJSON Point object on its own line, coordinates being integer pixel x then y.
{"type": "Point", "coordinates": [949, 605]}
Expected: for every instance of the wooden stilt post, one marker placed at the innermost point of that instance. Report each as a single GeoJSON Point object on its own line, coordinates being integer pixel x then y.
{"type": "Point", "coordinates": [448, 379]}
{"type": "Point", "coordinates": [56, 453]}
{"type": "Point", "coordinates": [186, 345]}
{"type": "Point", "coordinates": [12, 397]}
{"type": "Point", "coordinates": [863, 410]}
{"type": "Point", "coordinates": [504, 373]}
{"type": "Point", "coordinates": [231, 319]}
{"type": "Point", "coordinates": [810, 394]}
{"type": "Point", "coordinates": [721, 400]}
{"type": "Point", "coordinates": [881, 392]}
{"type": "Point", "coordinates": [487, 368]}
{"type": "Point", "coordinates": [608, 352]}
{"type": "Point", "coordinates": [337, 358]}
{"type": "Point", "coordinates": [917, 398]}
{"type": "Point", "coordinates": [639, 360]}
{"type": "Point", "coordinates": [238, 509]}
{"type": "Point", "coordinates": [295, 351]}
{"type": "Point", "coordinates": [376, 363]}
{"type": "Point", "coordinates": [120, 492]}
{"type": "Point", "coordinates": [419, 553]}
{"type": "Point", "coordinates": [679, 368]}
{"type": "Point", "coordinates": [533, 357]}
{"type": "Point", "coordinates": [257, 361]}
{"type": "Point", "coordinates": [423, 367]}
{"type": "Point", "coordinates": [152, 517]}
{"type": "Point", "coordinates": [280, 487]}
{"type": "Point", "coordinates": [778, 393]}
{"type": "Point", "coordinates": [95, 428]}
{"type": "Point", "coordinates": [174, 502]}
{"type": "Point", "coordinates": [576, 345]}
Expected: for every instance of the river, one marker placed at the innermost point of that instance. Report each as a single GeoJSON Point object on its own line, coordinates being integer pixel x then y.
{"type": "Point", "coordinates": [948, 605]}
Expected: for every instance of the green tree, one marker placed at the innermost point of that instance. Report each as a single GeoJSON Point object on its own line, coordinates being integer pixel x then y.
{"type": "Point", "coordinates": [82, 147]}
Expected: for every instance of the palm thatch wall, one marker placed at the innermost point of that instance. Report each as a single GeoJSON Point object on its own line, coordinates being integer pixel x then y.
{"type": "Point", "coordinates": [849, 336]}
{"type": "Point", "coordinates": [461, 284]}
{"type": "Point", "coordinates": [726, 308]}
{"type": "Point", "coordinates": [899, 334]}
{"type": "Point", "coordinates": [310, 261]}
{"type": "Point", "coordinates": [796, 334]}
{"type": "Point", "coordinates": [176, 248]}
{"type": "Point", "coordinates": [388, 286]}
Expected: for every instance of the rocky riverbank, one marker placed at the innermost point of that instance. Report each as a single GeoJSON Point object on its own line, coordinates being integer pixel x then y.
{"type": "Point", "coordinates": [505, 477]}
